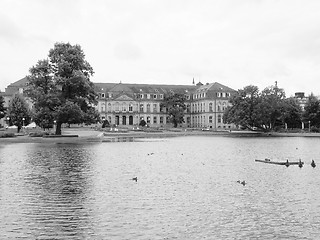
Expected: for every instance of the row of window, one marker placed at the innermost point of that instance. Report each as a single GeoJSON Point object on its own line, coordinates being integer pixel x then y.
{"type": "Point", "coordinates": [201, 107]}
{"type": "Point", "coordinates": [124, 107]}
{"type": "Point", "coordinates": [199, 119]}
{"type": "Point", "coordinates": [218, 94]}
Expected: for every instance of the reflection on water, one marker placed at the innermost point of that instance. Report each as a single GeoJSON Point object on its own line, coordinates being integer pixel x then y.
{"type": "Point", "coordinates": [187, 189]}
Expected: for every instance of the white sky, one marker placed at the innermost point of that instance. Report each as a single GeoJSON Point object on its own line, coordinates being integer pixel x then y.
{"type": "Point", "coordinates": [233, 42]}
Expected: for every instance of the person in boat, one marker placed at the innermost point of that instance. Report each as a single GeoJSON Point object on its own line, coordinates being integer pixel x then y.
{"type": "Point", "coordinates": [300, 164]}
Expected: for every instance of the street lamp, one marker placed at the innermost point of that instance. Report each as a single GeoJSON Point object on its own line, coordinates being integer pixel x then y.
{"type": "Point", "coordinates": [23, 122]}
{"type": "Point", "coordinates": [309, 125]}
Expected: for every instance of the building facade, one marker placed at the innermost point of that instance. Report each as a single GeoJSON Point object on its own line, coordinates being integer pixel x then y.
{"type": "Point", "coordinates": [127, 104]}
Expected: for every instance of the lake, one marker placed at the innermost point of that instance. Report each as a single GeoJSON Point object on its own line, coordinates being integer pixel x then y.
{"type": "Point", "coordinates": [186, 188]}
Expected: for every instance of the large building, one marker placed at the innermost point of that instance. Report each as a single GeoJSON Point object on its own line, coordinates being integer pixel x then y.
{"type": "Point", "coordinates": [125, 104]}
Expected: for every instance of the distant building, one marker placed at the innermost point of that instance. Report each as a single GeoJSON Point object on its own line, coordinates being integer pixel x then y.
{"type": "Point", "coordinates": [301, 99]}
{"type": "Point", "coordinates": [127, 104]}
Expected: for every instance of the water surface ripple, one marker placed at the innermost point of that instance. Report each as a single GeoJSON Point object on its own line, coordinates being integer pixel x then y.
{"type": "Point", "coordinates": [187, 189]}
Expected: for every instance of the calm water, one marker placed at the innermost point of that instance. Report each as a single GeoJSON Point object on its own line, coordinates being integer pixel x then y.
{"type": "Point", "coordinates": [187, 189]}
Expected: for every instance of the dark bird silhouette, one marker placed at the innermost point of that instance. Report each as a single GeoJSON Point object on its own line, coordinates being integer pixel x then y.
{"type": "Point", "coordinates": [300, 164]}
{"type": "Point", "coordinates": [313, 164]}
{"type": "Point", "coordinates": [243, 183]}
{"type": "Point", "coordinates": [287, 163]}
{"type": "Point", "coordinates": [135, 179]}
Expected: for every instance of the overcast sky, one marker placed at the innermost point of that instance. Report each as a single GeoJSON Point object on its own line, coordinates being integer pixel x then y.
{"type": "Point", "coordinates": [233, 42]}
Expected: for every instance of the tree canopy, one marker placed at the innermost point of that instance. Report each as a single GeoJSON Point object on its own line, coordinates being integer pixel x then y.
{"type": "Point", "coordinates": [18, 112]}
{"type": "Point", "coordinates": [61, 89]}
{"type": "Point", "coordinates": [312, 111]}
{"type": "Point", "coordinates": [264, 110]}
{"type": "Point", "coordinates": [2, 108]}
{"type": "Point", "coordinates": [175, 106]}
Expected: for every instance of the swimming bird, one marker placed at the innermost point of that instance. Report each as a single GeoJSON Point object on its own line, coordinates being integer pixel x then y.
{"type": "Point", "coordinates": [243, 183]}
{"type": "Point", "coordinates": [135, 179]}
{"type": "Point", "coordinates": [300, 164]}
{"type": "Point", "coordinates": [313, 164]}
{"type": "Point", "coordinates": [287, 163]}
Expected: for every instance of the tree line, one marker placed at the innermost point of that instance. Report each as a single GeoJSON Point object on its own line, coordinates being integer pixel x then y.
{"type": "Point", "coordinates": [61, 92]}
{"type": "Point", "coordinates": [271, 110]}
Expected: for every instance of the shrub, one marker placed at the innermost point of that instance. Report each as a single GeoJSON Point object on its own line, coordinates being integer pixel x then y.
{"type": "Point", "coordinates": [7, 135]}
{"type": "Point", "coordinates": [314, 129]}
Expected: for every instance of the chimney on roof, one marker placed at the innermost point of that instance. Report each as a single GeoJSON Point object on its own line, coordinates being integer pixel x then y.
{"type": "Point", "coordinates": [193, 81]}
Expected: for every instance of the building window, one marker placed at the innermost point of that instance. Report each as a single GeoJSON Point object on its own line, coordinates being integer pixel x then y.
{"type": "Point", "coordinates": [218, 94]}
{"type": "Point", "coordinates": [219, 118]}
{"type": "Point", "coordinates": [103, 108]}
{"type": "Point", "coordinates": [154, 107]}
{"type": "Point", "coordinates": [210, 119]}
{"type": "Point", "coordinates": [210, 107]}
{"type": "Point", "coordinates": [161, 119]}
{"type": "Point", "coordinates": [124, 107]}
{"type": "Point", "coordinates": [130, 107]}
{"type": "Point", "coordinates": [141, 107]}
{"type": "Point", "coordinates": [141, 95]}
{"type": "Point", "coordinates": [116, 107]}
{"type": "Point", "coordinates": [109, 107]}
{"type": "Point", "coordinates": [224, 94]}
{"type": "Point", "coordinates": [102, 95]}
{"type": "Point", "coordinates": [228, 94]}
{"type": "Point", "coordinates": [155, 119]}
{"type": "Point", "coordinates": [148, 119]}
{"type": "Point", "coordinates": [161, 96]}
{"type": "Point", "coordinates": [148, 107]}
{"type": "Point", "coordinates": [148, 96]}
{"type": "Point", "coordinates": [154, 96]}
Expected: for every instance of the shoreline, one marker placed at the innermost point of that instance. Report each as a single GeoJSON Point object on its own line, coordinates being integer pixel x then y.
{"type": "Point", "coordinates": [83, 135]}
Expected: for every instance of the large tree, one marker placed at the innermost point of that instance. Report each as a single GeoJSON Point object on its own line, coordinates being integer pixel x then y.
{"type": "Point", "coordinates": [292, 113]}
{"type": "Point", "coordinates": [265, 111]}
{"type": "Point", "coordinates": [2, 108]}
{"type": "Point", "coordinates": [18, 112]}
{"type": "Point", "coordinates": [175, 106]}
{"type": "Point", "coordinates": [312, 111]}
{"type": "Point", "coordinates": [244, 108]}
{"type": "Point", "coordinates": [60, 87]}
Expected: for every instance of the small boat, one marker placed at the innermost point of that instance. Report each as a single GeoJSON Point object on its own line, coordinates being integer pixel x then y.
{"type": "Point", "coordinates": [285, 163]}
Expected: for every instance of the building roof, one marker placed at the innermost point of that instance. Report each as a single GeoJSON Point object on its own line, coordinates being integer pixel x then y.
{"type": "Point", "coordinates": [20, 83]}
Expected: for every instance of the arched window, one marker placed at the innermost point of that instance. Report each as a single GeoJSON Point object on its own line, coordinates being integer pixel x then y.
{"type": "Point", "coordinates": [141, 107]}
{"type": "Point", "coordinates": [130, 107]}
{"type": "Point", "coordinates": [124, 107]}
{"type": "Point", "coordinates": [116, 107]}
{"type": "Point", "coordinates": [109, 107]}
{"type": "Point", "coordinates": [148, 107]}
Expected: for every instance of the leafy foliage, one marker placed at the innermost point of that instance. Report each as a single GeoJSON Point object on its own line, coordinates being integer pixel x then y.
{"type": "Point", "coordinates": [175, 105]}
{"type": "Point", "coordinates": [312, 111]}
{"type": "Point", "coordinates": [61, 89]}
{"type": "Point", "coordinates": [2, 107]}
{"type": "Point", "coordinates": [266, 110]}
{"type": "Point", "coordinates": [18, 112]}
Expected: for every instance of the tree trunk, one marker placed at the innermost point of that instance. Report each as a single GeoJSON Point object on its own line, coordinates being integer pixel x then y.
{"type": "Point", "coordinates": [58, 128]}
